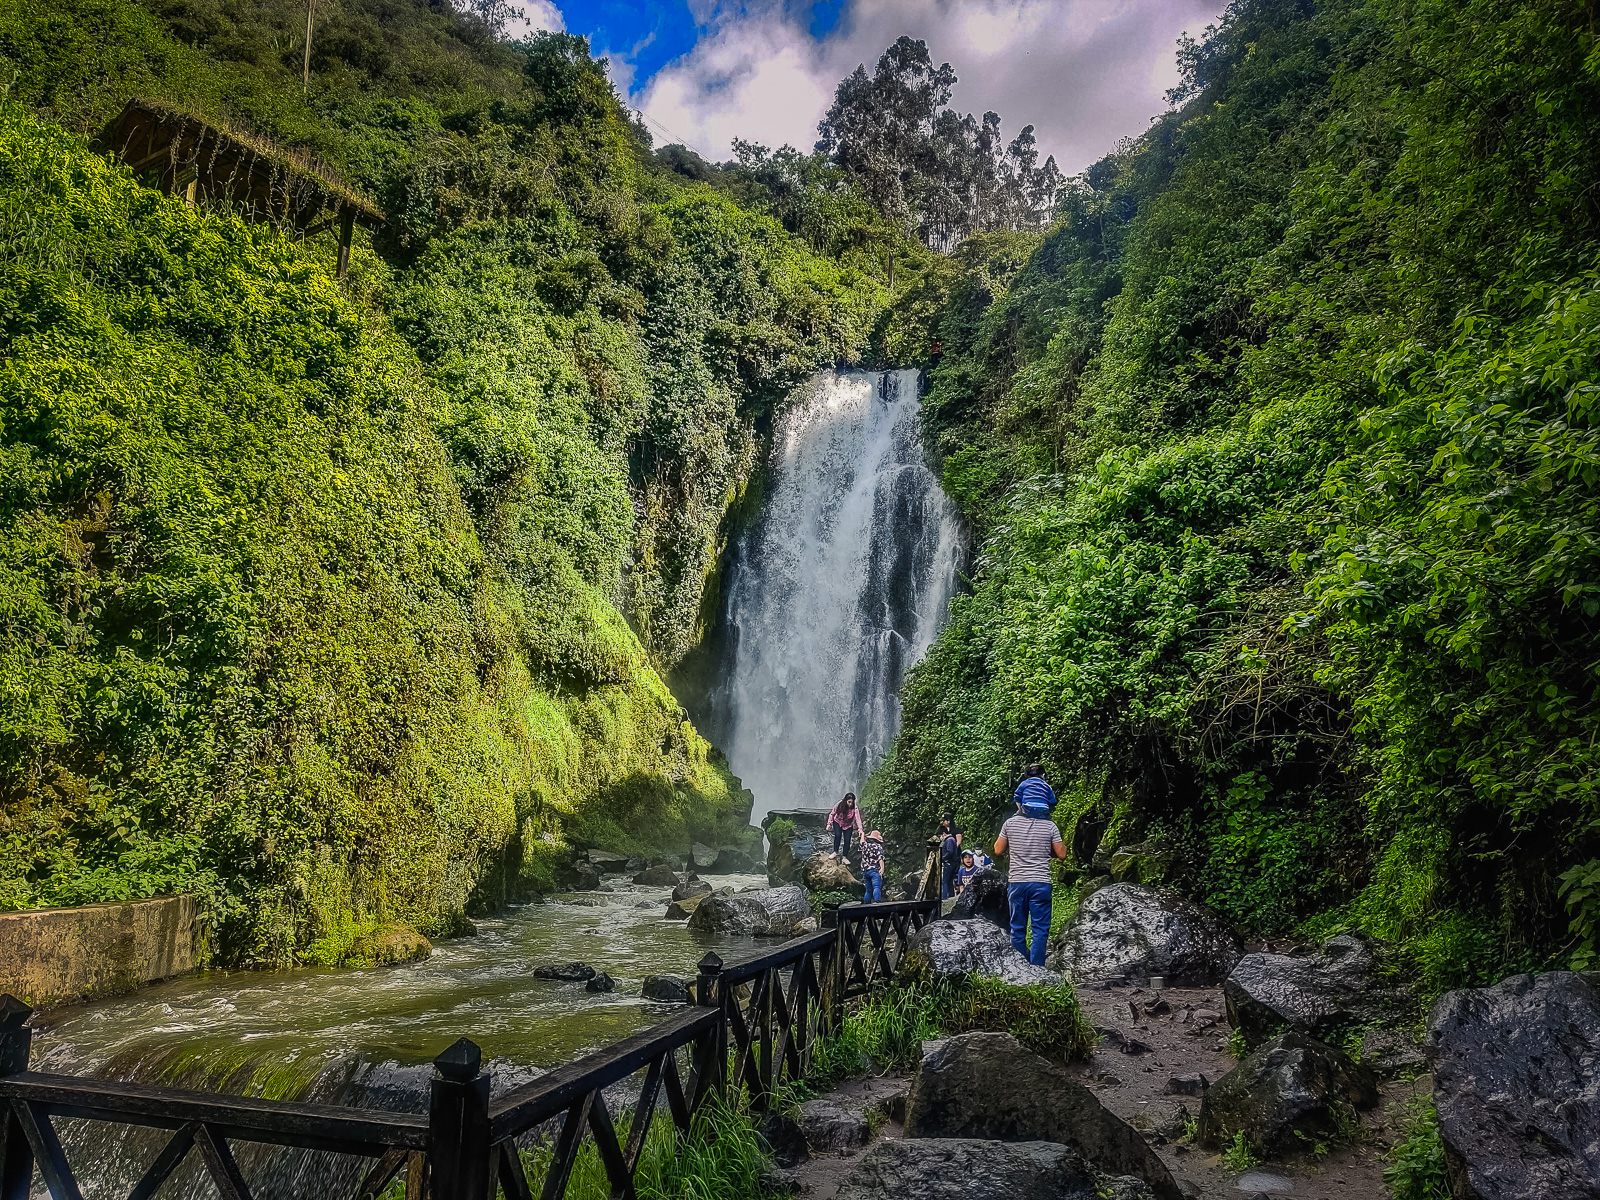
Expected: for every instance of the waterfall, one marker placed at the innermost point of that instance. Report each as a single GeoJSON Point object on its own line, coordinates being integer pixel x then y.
{"type": "Point", "coordinates": [841, 587]}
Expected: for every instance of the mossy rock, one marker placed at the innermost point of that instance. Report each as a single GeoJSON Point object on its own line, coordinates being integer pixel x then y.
{"type": "Point", "coordinates": [1148, 862]}
{"type": "Point", "coordinates": [387, 945]}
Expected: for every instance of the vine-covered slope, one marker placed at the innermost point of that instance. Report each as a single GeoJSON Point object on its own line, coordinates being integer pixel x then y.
{"type": "Point", "coordinates": [1282, 447]}
{"type": "Point", "coordinates": [348, 603]}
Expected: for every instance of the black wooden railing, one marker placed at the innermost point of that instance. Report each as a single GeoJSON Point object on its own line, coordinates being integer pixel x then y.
{"type": "Point", "coordinates": [753, 1026]}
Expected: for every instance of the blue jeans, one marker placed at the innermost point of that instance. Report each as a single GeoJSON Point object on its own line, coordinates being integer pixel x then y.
{"type": "Point", "coordinates": [842, 835]}
{"type": "Point", "coordinates": [874, 881]}
{"type": "Point", "coordinates": [1030, 900]}
{"type": "Point", "coordinates": [947, 878]}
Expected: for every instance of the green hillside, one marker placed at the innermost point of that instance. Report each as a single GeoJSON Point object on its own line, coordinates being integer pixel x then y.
{"type": "Point", "coordinates": [349, 602]}
{"type": "Point", "coordinates": [1281, 445]}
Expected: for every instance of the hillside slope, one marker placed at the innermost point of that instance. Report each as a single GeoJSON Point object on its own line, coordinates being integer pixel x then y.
{"type": "Point", "coordinates": [348, 604]}
{"type": "Point", "coordinates": [1281, 446]}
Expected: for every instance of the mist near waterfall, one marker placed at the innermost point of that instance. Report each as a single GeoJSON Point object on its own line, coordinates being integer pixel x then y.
{"type": "Point", "coordinates": [840, 588]}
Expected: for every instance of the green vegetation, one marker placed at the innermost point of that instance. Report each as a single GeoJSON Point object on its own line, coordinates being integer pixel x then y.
{"type": "Point", "coordinates": [1280, 447]}
{"type": "Point", "coordinates": [349, 605]}
{"type": "Point", "coordinates": [887, 1030]}
{"type": "Point", "coordinates": [1416, 1169]}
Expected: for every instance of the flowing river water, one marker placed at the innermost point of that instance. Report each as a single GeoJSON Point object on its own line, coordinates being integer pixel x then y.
{"type": "Point", "coordinates": [367, 1037]}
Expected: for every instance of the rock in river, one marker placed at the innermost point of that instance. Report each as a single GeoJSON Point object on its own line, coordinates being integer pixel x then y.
{"type": "Point", "coordinates": [1291, 1085]}
{"type": "Point", "coordinates": [600, 983]}
{"type": "Point", "coordinates": [682, 910]}
{"type": "Point", "coordinates": [673, 989]}
{"type": "Point", "coordinates": [691, 887]}
{"type": "Point", "coordinates": [1516, 1078]}
{"type": "Point", "coordinates": [773, 912]}
{"type": "Point", "coordinates": [388, 945]}
{"type": "Point", "coordinates": [657, 876]}
{"type": "Point", "coordinates": [575, 972]}
{"type": "Point", "coordinates": [985, 897]}
{"type": "Point", "coordinates": [976, 948]}
{"type": "Point", "coordinates": [988, 1085]}
{"type": "Point", "coordinates": [1137, 932]}
{"type": "Point", "coordinates": [1320, 994]}
{"type": "Point", "coordinates": [965, 1169]}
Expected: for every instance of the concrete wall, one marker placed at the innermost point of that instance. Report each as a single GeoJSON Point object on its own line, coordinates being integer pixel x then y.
{"type": "Point", "coordinates": [54, 955]}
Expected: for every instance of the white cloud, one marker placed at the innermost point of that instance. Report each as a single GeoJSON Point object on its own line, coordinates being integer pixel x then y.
{"type": "Point", "coordinates": [1085, 73]}
{"type": "Point", "coordinates": [533, 15]}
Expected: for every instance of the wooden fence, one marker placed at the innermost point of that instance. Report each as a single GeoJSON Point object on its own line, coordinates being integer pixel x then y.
{"type": "Point", "coordinates": [753, 1026]}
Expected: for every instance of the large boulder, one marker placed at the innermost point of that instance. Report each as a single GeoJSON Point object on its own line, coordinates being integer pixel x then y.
{"type": "Point", "coordinates": [965, 1169]}
{"type": "Point", "coordinates": [1132, 931]}
{"type": "Point", "coordinates": [975, 948]}
{"type": "Point", "coordinates": [772, 912]}
{"type": "Point", "coordinates": [734, 860]}
{"type": "Point", "coordinates": [682, 910]}
{"type": "Point", "coordinates": [580, 876]}
{"type": "Point", "coordinates": [1291, 1085]}
{"type": "Point", "coordinates": [782, 866]}
{"type": "Point", "coordinates": [984, 898]}
{"type": "Point", "coordinates": [388, 945]}
{"type": "Point", "coordinates": [701, 856]}
{"type": "Point", "coordinates": [782, 1138]}
{"type": "Point", "coordinates": [574, 972]}
{"type": "Point", "coordinates": [988, 1085]}
{"type": "Point", "coordinates": [611, 862]}
{"type": "Point", "coordinates": [1516, 1079]}
{"type": "Point", "coordinates": [803, 830]}
{"type": "Point", "coordinates": [1321, 994]}
{"type": "Point", "coordinates": [822, 872]}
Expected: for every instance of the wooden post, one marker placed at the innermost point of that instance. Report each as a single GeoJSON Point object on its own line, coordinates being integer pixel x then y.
{"type": "Point", "coordinates": [16, 1156]}
{"type": "Point", "coordinates": [347, 220]}
{"type": "Point", "coordinates": [836, 1009]}
{"type": "Point", "coordinates": [458, 1126]}
{"type": "Point", "coordinates": [708, 994]}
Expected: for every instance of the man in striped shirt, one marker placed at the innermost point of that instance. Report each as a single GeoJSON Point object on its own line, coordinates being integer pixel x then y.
{"type": "Point", "coordinates": [1032, 840]}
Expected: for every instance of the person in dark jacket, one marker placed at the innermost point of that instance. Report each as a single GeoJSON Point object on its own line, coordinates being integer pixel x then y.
{"type": "Point", "coordinates": [950, 835]}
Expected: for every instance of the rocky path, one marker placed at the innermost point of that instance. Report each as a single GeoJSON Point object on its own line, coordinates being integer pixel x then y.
{"type": "Point", "coordinates": [1166, 1047]}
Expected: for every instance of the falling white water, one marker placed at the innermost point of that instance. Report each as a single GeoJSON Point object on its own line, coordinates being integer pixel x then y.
{"type": "Point", "coordinates": [842, 587]}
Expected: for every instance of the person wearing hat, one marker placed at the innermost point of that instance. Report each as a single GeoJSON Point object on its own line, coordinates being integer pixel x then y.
{"type": "Point", "coordinates": [969, 868]}
{"type": "Point", "coordinates": [872, 866]}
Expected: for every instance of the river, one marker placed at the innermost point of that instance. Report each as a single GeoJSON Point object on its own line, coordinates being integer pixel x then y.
{"type": "Point", "coordinates": [367, 1037]}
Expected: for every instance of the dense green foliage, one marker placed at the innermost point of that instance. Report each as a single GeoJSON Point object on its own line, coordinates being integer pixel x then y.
{"type": "Point", "coordinates": [1281, 446]}
{"type": "Point", "coordinates": [349, 604]}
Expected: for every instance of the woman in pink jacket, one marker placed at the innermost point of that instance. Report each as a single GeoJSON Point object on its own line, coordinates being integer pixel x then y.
{"type": "Point", "coordinates": [845, 822]}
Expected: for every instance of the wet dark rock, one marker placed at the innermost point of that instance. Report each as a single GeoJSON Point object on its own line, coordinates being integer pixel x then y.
{"type": "Point", "coordinates": [984, 898]}
{"type": "Point", "coordinates": [1136, 932]}
{"type": "Point", "coordinates": [1291, 1085]}
{"type": "Point", "coordinates": [1516, 1079]}
{"type": "Point", "coordinates": [659, 876]}
{"type": "Point", "coordinates": [782, 866]}
{"type": "Point", "coordinates": [775, 1181]}
{"type": "Point", "coordinates": [611, 862]}
{"type": "Point", "coordinates": [771, 913]}
{"type": "Point", "coordinates": [574, 972]}
{"type": "Point", "coordinates": [1391, 1053]}
{"type": "Point", "coordinates": [988, 1085]}
{"type": "Point", "coordinates": [976, 948]}
{"type": "Point", "coordinates": [1164, 1119]}
{"type": "Point", "coordinates": [806, 833]}
{"type": "Point", "coordinates": [1191, 1084]}
{"type": "Point", "coordinates": [688, 888]}
{"type": "Point", "coordinates": [831, 1126]}
{"type": "Point", "coordinates": [682, 910]}
{"type": "Point", "coordinates": [672, 989]}
{"type": "Point", "coordinates": [600, 983]}
{"type": "Point", "coordinates": [580, 876]}
{"type": "Point", "coordinates": [783, 1139]}
{"type": "Point", "coordinates": [732, 860]}
{"type": "Point", "coordinates": [969, 1169]}
{"type": "Point", "coordinates": [1319, 994]}
{"type": "Point", "coordinates": [702, 856]}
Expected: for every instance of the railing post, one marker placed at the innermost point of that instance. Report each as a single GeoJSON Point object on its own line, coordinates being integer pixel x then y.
{"type": "Point", "coordinates": [836, 1009]}
{"type": "Point", "coordinates": [708, 994]}
{"type": "Point", "coordinates": [16, 1156]}
{"type": "Point", "coordinates": [458, 1125]}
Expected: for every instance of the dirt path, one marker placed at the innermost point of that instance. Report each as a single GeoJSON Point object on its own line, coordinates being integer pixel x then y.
{"type": "Point", "coordinates": [1135, 1086]}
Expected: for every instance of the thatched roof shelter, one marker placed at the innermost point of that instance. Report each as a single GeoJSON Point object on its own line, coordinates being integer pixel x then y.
{"type": "Point", "coordinates": [202, 159]}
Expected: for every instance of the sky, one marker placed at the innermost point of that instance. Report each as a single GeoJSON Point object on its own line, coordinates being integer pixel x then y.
{"type": "Point", "coordinates": [1084, 73]}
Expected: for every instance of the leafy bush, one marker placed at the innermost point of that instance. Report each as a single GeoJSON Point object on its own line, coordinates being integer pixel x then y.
{"type": "Point", "coordinates": [1416, 1169]}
